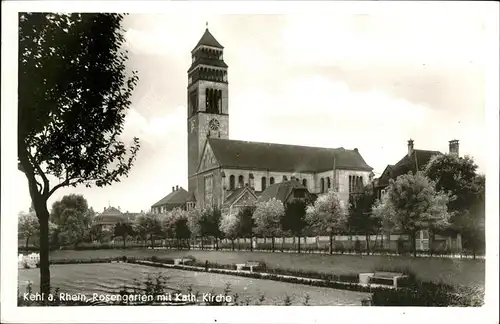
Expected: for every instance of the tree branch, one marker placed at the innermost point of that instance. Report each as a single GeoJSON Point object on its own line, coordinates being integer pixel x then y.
{"type": "Point", "coordinates": [41, 173]}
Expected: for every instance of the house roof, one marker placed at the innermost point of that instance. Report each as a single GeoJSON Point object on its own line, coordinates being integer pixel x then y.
{"type": "Point", "coordinates": [235, 195]}
{"type": "Point", "coordinates": [174, 199]}
{"type": "Point", "coordinates": [418, 158]}
{"type": "Point", "coordinates": [281, 157]}
{"type": "Point", "coordinates": [112, 215]}
{"type": "Point", "coordinates": [209, 40]}
{"type": "Point", "coordinates": [280, 191]}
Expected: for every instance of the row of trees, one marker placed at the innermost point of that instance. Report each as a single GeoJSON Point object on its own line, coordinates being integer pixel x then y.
{"type": "Point", "coordinates": [453, 203]}
{"type": "Point", "coordinates": [446, 198]}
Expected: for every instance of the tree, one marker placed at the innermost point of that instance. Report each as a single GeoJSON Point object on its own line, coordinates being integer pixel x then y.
{"type": "Point", "coordinates": [294, 219]}
{"type": "Point", "coordinates": [78, 203]}
{"type": "Point", "coordinates": [246, 223]}
{"type": "Point", "coordinates": [210, 224]}
{"type": "Point", "coordinates": [148, 224]}
{"type": "Point", "coordinates": [194, 224]}
{"type": "Point", "coordinates": [73, 218]}
{"type": "Point", "coordinates": [471, 221]}
{"type": "Point", "coordinates": [75, 227]}
{"type": "Point", "coordinates": [28, 226]}
{"type": "Point", "coordinates": [175, 224]}
{"type": "Point", "coordinates": [458, 176]}
{"type": "Point", "coordinates": [326, 216]}
{"type": "Point", "coordinates": [361, 219]}
{"type": "Point", "coordinates": [73, 93]}
{"type": "Point", "coordinates": [123, 229]}
{"type": "Point", "coordinates": [267, 218]}
{"type": "Point", "coordinates": [229, 225]}
{"type": "Point", "coordinates": [412, 204]}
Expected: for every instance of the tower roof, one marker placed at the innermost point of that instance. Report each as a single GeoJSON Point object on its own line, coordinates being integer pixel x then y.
{"type": "Point", "coordinates": [208, 40]}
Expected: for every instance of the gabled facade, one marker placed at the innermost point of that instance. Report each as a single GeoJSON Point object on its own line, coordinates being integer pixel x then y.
{"type": "Point", "coordinates": [239, 199]}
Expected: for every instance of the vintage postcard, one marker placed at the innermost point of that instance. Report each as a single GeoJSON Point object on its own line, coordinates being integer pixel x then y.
{"type": "Point", "coordinates": [198, 154]}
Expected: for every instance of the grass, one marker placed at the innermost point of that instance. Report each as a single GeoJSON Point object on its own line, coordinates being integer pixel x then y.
{"type": "Point", "coordinates": [110, 278]}
{"type": "Point", "coordinates": [451, 271]}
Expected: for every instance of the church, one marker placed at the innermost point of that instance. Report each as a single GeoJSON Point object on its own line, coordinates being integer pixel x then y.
{"type": "Point", "coordinates": [221, 169]}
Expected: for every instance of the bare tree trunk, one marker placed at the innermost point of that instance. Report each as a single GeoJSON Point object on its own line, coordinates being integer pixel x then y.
{"type": "Point", "coordinates": [272, 243]}
{"type": "Point", "coordinates": [43, 219]}
{"type": "Point", "coordinates": [216, 243]}
{"type": "Point", "coordinates": [367, 243]}
{"type": "Point", "coordinates": [331, 243]}
{"type": "Point", "coordinates": [298, 245]}
{"type": "Point", "coordinates": [201, 240]}
{"type": "Point", "coordinates": [251, 243]}
{"type": "Point", "coordinates": [414, 239]}
{"type": "Point", "coordinates": [27, 240]}
{"type": "Point", "coordinates": [124, 241]}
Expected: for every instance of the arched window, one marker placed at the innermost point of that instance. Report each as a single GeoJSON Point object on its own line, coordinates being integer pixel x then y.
{"type": "Point", "coordinates": [322, 185]}
{"type": "Point", "coordinates": [271, 180]}
{"type": "Point", "coordinates": [328, 184]}
{"type": "Point", "coordinates": [241, 181]}
{"type": "Point", "coordinates": [231, 182]}
{"type": "Point", "coordinates": [304, 182]}
{"type": "Point", "coordinates": [251, 182]}
{"type": "Point", "coordinates": [263, 183]}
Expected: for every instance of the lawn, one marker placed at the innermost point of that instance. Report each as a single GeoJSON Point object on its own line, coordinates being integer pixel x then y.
{"type": "Point", "coordinates": [453, 271]}
{"type": "Point", "coordinates": [108, 278]}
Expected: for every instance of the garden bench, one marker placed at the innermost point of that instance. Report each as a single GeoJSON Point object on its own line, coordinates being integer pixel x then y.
{"type": "Point", "coordinates": [388, 278]}
{"type": "Point", "coordinates": [182, 261]}
{"type": "Point", "coordinates": [250, 265]}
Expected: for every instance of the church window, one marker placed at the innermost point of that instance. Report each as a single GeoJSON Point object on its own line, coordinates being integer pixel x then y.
{"type": "Point", "coordinates": [304, 182]}
{"type": "Point", "coordinates": [241, 181]}
{"type": "Point", "coordinates": [328, 183]}
{"type": "Point", "coordinates": [231, 182]}
{"type": "Point", "coordinates": [251, 182]}
{"type": "Point", "coordinates": [271, 180]}
{"type": "Point", "coordinates": [209, 190]}
{"type": "Point", "coordinates": [322, 185]}
{"type": "Point", "coordinates": [263, 183]}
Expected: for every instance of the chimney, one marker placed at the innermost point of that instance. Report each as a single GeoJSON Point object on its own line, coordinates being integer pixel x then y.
{"type": "Point", "coordinates": [410, 147]}
{"type": "Point", "coordinates": [173, 188]}
{"type": "Point", "coordinates": [454, 147]}
{"type": "Point", "coordinates": [176, 188]}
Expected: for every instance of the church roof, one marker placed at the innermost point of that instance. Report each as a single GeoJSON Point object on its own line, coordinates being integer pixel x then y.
{"type": "Point", "coordinates": [414, 162]}
{"type": "Point", "coordinates": [208, 40]}
{"type": "Point", "coordinates": [207, 61]}
{"type": "Point", "coordinates": [281, 157]}
{"type": "Point", "coordinates": [176, 198]}
{"type": "Point", "coordinates": [280, 191]}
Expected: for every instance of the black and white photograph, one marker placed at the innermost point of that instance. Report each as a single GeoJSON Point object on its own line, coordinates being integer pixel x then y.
{"type": "Point", "coordinates": [218, 154]}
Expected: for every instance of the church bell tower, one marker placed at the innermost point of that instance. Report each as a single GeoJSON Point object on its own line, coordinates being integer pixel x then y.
{"type": "Point", "coordinates": [207, 110]}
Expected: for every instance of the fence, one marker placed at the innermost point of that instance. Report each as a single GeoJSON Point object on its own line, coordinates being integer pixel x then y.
{"type": "Point", "coordinates": [341, 244]}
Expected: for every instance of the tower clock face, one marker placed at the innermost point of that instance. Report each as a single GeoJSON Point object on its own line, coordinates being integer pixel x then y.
{"type": "Point", "coordinates": [214, 124]}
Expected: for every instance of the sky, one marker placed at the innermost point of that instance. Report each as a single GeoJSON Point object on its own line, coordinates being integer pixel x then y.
{"type": "Point", "coordinates": [366, 81]}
